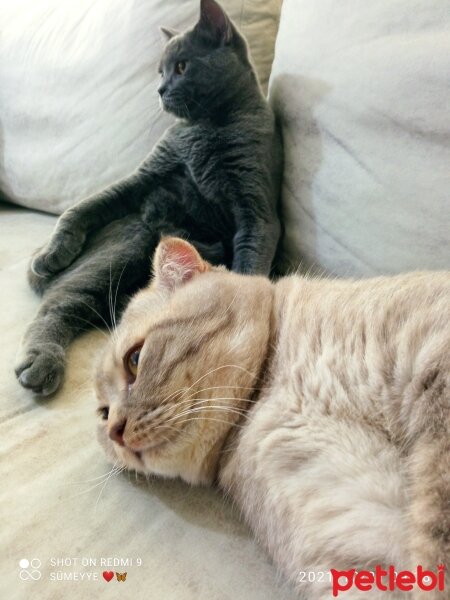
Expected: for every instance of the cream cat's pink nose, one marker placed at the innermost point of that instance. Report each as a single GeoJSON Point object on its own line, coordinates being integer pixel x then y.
{"type": "Point", "coordinates": [116, 431]}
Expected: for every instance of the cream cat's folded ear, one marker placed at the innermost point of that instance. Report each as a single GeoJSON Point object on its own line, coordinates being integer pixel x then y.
{"type": "Point", "coordinates": [176, 262]}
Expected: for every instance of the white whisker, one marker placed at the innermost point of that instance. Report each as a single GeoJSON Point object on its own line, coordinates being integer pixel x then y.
{"type": "Point", "coordinates": [114, 320]}
{"type": "Point", "coordinates": [212, 419]}
{"type": "Point", "coordinates": [99, 315]}
{"type": "Point", "coordinates": [106, 482]}
{"type": "Point", "coordinates": [226, 409]}
{"type": "Point", "coordinates": [215, 370]}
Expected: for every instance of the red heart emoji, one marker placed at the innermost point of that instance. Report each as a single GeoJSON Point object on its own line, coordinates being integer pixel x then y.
{"type": "Point", "coordinates": [108, 575]}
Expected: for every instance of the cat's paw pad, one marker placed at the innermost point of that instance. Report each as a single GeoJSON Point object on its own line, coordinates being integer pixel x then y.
{"type": "Point", "coordinates": [41, 369]}
{"type": "Point", "coordinates": [59, 253]}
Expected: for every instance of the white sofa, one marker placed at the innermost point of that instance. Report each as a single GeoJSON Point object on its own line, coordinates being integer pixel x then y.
{"type": "Point", "coordinates": [362, 94]}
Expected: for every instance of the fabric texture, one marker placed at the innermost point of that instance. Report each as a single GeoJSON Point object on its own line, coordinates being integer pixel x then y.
{"type": "Point", "coordinates": [78, 101]}
{"type": "Point", "coordinates": [191, 542]}
{"type": "Point", "coordinates": [363, 92]}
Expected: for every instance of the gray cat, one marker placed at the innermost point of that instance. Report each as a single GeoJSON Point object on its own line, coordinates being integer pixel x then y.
{"type": "Point", "coordinates": [213, 178]}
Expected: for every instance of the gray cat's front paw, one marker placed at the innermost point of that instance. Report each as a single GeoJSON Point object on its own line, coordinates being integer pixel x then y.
{"type": "Point", "coordinates": [59, 253]}
{"type": "Point", "coordinates": [41, 369]}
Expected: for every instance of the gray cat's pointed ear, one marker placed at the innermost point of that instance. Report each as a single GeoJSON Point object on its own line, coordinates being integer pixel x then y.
{"type": "Point", "coordinates": [176, 262]}
{"type": "Point", "coordinates": [214, 20]}
{"type": "Point", "coordinates": [168, 33]}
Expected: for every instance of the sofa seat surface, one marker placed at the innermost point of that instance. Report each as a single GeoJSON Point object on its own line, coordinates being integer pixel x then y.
{"type": "Point", "coordinates": [56, 505]}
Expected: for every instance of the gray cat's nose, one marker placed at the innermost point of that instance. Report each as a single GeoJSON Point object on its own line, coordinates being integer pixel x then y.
{"type": "Point", "coordinates": [116, 432]}
{"type": "Point", "coordinates": [162, 88]}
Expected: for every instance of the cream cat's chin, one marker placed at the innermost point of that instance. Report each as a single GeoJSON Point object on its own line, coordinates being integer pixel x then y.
{"type": "Point", "coordinates": [322, 408]}
{"type": "Point", "coordinates": [197, 466]}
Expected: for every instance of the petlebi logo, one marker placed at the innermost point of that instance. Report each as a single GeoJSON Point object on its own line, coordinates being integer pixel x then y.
{"type": "Point", "coordinates": [388, 580]}
{"type": "Point", "coordinates": [30, 569]}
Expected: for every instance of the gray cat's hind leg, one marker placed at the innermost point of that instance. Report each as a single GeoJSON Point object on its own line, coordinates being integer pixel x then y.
{"type": "Point", "coordinates": [89, 294]}
{"type": "Point", "coordinates": [59, 252]}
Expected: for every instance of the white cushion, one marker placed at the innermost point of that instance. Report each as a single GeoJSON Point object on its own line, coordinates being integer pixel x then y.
{"type": "Point", "coordinates": [78, 101]}
{"type": "Point", "coordinates": [363, 90]}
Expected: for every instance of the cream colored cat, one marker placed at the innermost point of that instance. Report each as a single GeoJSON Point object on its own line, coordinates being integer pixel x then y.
{"type": "Point", "coordinates": [322, 408]}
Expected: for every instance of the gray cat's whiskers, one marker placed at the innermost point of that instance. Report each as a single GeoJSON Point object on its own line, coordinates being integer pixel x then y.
{"type": "Point", "coordinates": [99, 315]}
{"type": "Point", "coordinates": [199, 104]}
{"type": "Point", "coordinates": [110, 304]}
{"type": "Point", "coordinates": [110, 295]}
{"type": "Point", "coordinates": [114, 319]}
{"type": "Point", "coordinates": [87, 322]}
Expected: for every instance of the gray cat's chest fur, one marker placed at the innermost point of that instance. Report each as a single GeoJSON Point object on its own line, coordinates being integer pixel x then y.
{"type": "Point", "coordinates": [215, 158]}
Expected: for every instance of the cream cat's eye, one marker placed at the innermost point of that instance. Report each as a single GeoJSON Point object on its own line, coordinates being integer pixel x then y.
{"type": "Point", "coordinates": [180, 67]}
{"type": "Point", "coordinates": [131, 362]}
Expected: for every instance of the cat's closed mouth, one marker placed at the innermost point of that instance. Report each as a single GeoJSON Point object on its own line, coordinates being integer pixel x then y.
{"type": "Point", "coordinates": [150, 448]}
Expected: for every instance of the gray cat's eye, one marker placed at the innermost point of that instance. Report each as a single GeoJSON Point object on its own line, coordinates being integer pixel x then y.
{"type": "Point", "coordinates": [180, 67]}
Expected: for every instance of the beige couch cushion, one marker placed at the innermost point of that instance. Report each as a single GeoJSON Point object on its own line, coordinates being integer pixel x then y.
{"type": "Point", "coordinates": [78, 101]}
{"type": "Point", "coordinates": [363, 90]}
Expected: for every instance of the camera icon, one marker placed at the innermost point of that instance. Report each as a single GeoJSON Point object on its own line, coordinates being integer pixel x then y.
{"type": "Point", "coordinates": [30, 569]}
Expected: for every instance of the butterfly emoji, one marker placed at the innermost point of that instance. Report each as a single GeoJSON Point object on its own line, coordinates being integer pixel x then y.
{"type": "Point", "coordinates": [121, 576]}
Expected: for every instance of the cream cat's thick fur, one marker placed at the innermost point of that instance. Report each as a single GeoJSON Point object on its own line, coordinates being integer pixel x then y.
{"type": "Point", "coordinates": [322, 408]}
